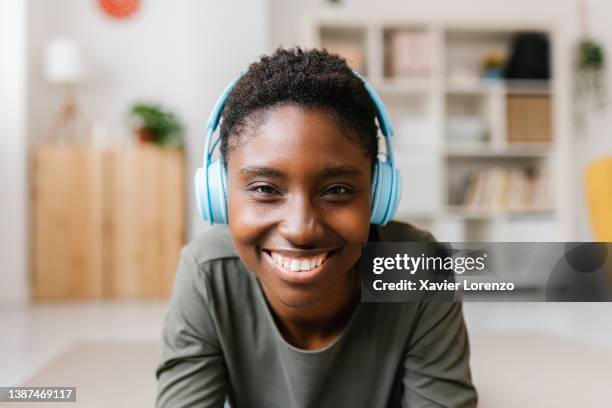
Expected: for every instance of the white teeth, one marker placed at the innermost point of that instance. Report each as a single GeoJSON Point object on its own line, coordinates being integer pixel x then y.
{"type": "Point", "coordinates": [298, 264]}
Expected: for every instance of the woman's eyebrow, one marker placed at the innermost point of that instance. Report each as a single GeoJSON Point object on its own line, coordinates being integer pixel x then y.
{"type": "Point", "coordinates": [327, 172]}
{"type": "Point", "coordinates": [263, 172]}
{"type": "Point", "coordinates": [341, 170]}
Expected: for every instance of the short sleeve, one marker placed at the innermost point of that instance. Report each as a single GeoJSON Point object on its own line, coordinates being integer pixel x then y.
{"type": "Point", "coordinates": [436, 361]}
{"type": "Point", "coordinates": [192, 371]}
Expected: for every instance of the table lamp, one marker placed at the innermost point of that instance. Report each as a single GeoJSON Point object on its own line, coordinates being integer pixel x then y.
{"type": "Point", "coordinates": [64, 66]}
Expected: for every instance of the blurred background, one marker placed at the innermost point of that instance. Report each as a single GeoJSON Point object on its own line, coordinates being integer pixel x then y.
{"type": "Point", "coordinates": [501, 113]}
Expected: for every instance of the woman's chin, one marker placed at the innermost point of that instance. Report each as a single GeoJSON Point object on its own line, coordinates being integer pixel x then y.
{"type": "Point", "coordinates": [297, 298]}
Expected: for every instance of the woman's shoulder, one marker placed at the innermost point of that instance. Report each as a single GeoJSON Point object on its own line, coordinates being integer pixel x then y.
{"type": "Point", "coordinates": [213, 244]}
{"type": "Point", "coordinates": [212, 264]}
{"type": "Point", "coordinates": [396, 231]}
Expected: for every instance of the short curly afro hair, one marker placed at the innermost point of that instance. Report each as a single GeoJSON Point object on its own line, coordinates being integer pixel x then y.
{"type": "Point", "coordinates": [313, 79]}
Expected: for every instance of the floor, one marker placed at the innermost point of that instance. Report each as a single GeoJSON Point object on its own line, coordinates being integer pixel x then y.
{"type": "Point", "coordinates": [545, 333]}
{"type": "Point", "coordinates": [33, 335]}
{"type": "Point", "coordinates": [589, 323]}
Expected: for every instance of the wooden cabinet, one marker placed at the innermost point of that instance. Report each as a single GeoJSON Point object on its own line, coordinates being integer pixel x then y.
{"type": "Point", "coordinates": [106, 223]}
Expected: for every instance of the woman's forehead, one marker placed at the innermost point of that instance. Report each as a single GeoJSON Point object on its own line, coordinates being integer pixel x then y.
{"type": "Point", "coordinates": [298, 133]}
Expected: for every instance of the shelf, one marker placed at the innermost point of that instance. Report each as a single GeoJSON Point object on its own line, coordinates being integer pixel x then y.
{"type": "Point", "coordinates": [528, 87]}
{"type": "Point", "coordinates": [513, 150]}
{"type": "Point", "coordinates": [508, 87]}
{"type": "Point", "coordinates": [421, 216]}
{"type": "Point", "coordinates": [452, 124]}
{"type": "Point", "coordinates": [488, 214]}
{"type": "Point", "coordinates": [473, 87]}
{"type": "Point", "coordinates": [479, 214]}
{"type": "Point", "coordinates": [392, 86]}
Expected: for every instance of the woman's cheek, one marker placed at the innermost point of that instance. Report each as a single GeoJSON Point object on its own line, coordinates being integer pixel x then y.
{"type": "Point", "coordinates": [246, 229]}
{"type": "Point", "coordinates": [244, 211]}
{"type": "Point", "coordinates": [244, 223]}
{"type": "Point", "coordinates": [353, 221]}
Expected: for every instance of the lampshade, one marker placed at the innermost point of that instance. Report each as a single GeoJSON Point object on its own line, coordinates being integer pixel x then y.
{"type": "Point", "coordinates": [63, 63]}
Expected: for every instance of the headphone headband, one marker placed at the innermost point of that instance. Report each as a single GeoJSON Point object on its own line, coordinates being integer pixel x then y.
{"type": "Point", "coordinates": [381, 115]}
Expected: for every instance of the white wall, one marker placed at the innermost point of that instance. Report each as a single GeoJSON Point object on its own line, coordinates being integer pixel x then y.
{"type": "Point", "coordinates": [13, 222]}
{"type": "Point", "coordinates": [286, 17]}
{"type": "Point", "coordinates": [179, 53]}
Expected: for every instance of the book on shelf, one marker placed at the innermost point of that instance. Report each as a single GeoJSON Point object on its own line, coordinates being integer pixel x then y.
{"type": "Point", "coordinates": [511, 189]}
{"type": "Point", "coordinates": [353, 53]}
{"type": "Point", "coordinates": [409, 54]}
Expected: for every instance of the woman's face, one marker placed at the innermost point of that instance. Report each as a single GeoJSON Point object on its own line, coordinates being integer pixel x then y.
{"type": "Point", "coordinates": [299, 204]}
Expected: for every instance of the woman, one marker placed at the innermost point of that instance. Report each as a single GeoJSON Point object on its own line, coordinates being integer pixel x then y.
{"type": "Point", "coordinates": [266, 311]}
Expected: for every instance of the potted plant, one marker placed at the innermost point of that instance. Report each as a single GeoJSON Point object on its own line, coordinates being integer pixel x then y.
{"type": "Point", "coordinates": [154, 124]}
{"type": "Point", "coordinates": [591, 72]}
{"type": "Point", "coordinates": [590, 66]}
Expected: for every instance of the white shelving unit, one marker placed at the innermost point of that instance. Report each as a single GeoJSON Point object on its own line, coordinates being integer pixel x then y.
{"type": "Point", "coordinates": [423, 108]}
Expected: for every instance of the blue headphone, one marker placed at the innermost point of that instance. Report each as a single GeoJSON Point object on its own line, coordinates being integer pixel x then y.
{"type": "Point", "coordinates": [211, 179]}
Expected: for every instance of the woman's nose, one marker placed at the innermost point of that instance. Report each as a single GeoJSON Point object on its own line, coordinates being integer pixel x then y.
{"type": "Point", "coordinates": [301, 223]}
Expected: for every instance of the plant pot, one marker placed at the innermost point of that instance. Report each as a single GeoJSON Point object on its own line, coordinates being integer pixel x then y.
{"type": "Point", "coordinates": [144, 136]}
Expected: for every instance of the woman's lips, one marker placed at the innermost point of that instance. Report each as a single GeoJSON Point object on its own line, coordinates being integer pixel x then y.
{"type": "Point", "coordinates": [298, 268]}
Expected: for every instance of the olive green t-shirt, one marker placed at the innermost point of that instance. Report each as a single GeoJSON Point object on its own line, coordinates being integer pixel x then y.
{"type": "Point", "coordinates": [220, 341]}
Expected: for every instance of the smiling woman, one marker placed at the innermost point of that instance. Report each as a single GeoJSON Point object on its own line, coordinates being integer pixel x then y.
{"type": "Point", "coordinates": [316, 201]}
{"type": "Point", "coordinates": [265, 311]}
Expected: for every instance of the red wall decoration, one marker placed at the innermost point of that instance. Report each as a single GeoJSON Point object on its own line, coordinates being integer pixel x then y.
{"type": "Point", "coordinates": [119, 8]}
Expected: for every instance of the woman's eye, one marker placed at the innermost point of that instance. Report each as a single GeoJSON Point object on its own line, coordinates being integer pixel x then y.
{"type": "Point", "coordinates": [337, 191]}
{"type": "Point", "coordinates": [264, 190]}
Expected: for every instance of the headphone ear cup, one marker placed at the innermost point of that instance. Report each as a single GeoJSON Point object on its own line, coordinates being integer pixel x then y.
{"type": "Point", "coordinates": [201, 194]}
{"type": "Point", "coordinates": [396, 195]}
{"type": "Point", "coordinates": [217, 192]}
{"type": "Point", "coordinates": [386, 192]}
{"type": "Point", "coordinates": [374, 184]}
{"type": "Point", "coordinates": [380, 192]}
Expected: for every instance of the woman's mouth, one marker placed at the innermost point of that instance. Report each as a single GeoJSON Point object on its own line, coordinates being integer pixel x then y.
{"type": "Point", "coordinates": [296, 267]}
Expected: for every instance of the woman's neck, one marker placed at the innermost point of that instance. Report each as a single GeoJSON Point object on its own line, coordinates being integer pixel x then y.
{"type": "Point", "coordinates": [317, 325]}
